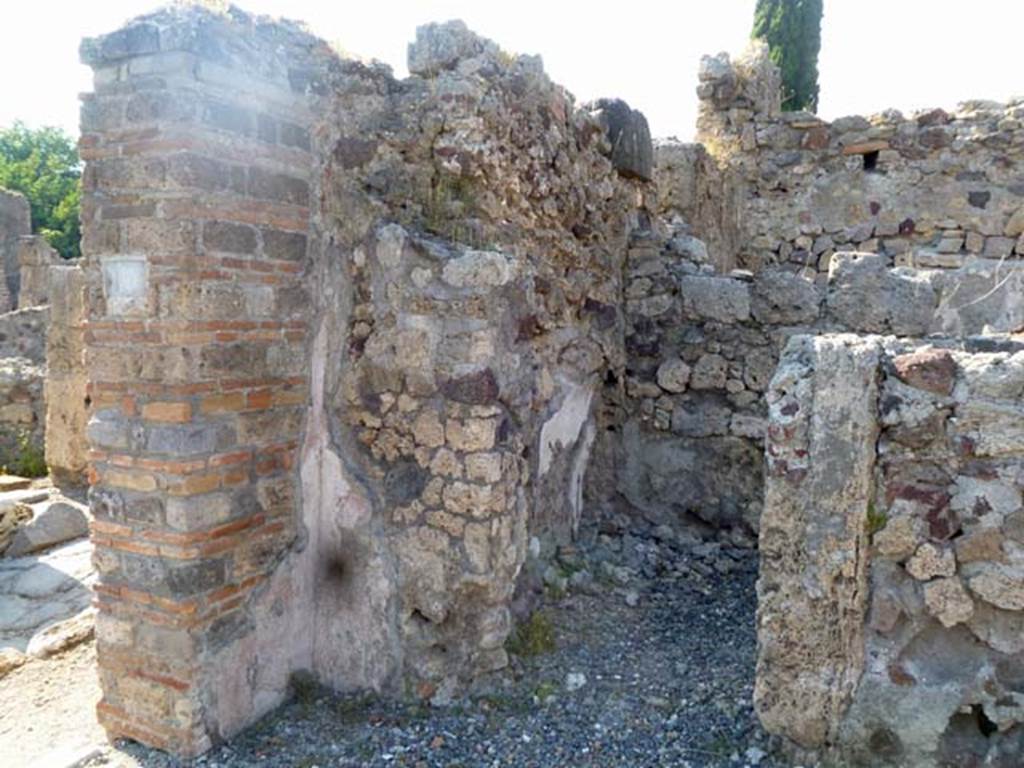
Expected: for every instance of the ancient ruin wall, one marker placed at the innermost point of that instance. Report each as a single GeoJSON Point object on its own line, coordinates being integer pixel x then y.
{"type": "Point", "coordinates": [698, 196]}
{"type": "Point", "coordinates": [928, 190]}
{"type": "Point", "coordinates": [474, 231]}
{"type": "Point", "coordinates": [786, 195]}
{"type": "Point", "coordinates": [352, 343]}
{"type": "Point", "coordinates": [42, 375]}
{"type": "Point", "coordinates": [22, 373]}
{"type": "Point", "coordinates": [35, 259]}
{"type": "Point", "coordinates": [889, 601]}
{"type": "Point", "coordinates": [15, 223]}
{"type": "Point", "coordinates": [701, 348]}
{"type": "Point", "coordinates": [346, 339]}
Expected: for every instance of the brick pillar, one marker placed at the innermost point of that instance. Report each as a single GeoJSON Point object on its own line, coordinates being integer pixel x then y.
{"type": "Point", "coordinates": [195, 218]}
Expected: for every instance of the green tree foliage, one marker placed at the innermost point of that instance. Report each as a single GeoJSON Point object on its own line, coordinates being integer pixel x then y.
{"type": "Point", "coordinates": [43, 165]}
{"type": "Point", "coordinates": [792, 29]}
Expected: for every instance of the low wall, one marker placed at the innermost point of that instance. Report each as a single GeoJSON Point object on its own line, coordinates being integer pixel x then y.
{"type": "Point", "coordinates": [927, 189]}
{"type": "Point", "coordinates": [890, 608]}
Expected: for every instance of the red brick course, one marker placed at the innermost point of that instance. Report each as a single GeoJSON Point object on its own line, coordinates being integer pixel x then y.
{"type": "Point", "coordinates": [197, 388]}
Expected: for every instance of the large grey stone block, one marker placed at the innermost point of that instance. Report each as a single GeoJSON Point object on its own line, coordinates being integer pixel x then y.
{"type": "Point", "coordinates": [813, 588]}
{"type": "Point", "coordinates": [632, 152]}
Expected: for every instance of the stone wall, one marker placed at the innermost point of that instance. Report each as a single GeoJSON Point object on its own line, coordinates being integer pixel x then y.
{"type": "Point", "coordinates": [22, 371]}
{"type": "Point", "coordinates": [699, 197]}
{"type": "Point", "coordinates": [38, 358]}
{"type": "Point", "coordinates": [65, 387]}
{"type": "Point", "coordinates": [346, 337]}
{"type": "Point", "coordinates": [927, 190]}
{"type": "Point", "coordinates": [15, 222]}
{"type": "Point", "coordinates": [357, 349]}
{"type": "Point", "coordinates": [788, 197]}
{"type": "Point", "coordinates": [702, 347]}
{"type": "Point", "coordinates": [469, 290]}
{"type": "Point", "coordinates": [35, 259]}
{"type": "Point", "coordinates": [30, 404]}
{"type": "Point", "coordinates": [889, 601]}
{"type": "Point", "coordinates": [23, 334]}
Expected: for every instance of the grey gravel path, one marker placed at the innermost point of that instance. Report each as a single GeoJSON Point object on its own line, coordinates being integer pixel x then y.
{"type": "Point", "coordinates": [653, 666]}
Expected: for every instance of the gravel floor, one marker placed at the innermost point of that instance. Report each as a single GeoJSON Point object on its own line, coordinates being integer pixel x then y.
{"type": "Point", "coordinates": [652, 665]}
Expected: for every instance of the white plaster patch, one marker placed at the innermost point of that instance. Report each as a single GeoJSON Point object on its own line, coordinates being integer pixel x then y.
{"type": "Point", "coordinates": [326, 489]}
{"type": "Point", "coordinates": [259, 300]}
{"type": "Point", "coordinates": [354, 643]}
{"type": "Point", "coordinates": [421, 277]}
{"type": "Point", "coordinates": [563, 429]}
{"type": "Point", "coordinates": [125, 283]}
{"type": "Point", "coordinates": [579, 470]}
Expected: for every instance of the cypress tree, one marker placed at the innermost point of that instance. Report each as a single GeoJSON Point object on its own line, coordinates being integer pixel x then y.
{"type": "Point", "coordinates": [792, 29]}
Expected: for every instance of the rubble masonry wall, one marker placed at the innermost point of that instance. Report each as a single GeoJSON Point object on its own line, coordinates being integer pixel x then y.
{"type": "Point", "coordinates": [358, 348]}
{"type": "Point", "coordinates": [346, 343]}
{"type": "Point", "coordinates": [889, 600]}
{"type": "Point", "coordinates": [472, 236]}
{"type": "Point", "coordinates": [788, 197]}
{"type": "Point", "coordinates": [702, 347]}
{"type": "Point", "coordinates": [22, 374]}
{"type": "Point", "coordinates": [35, 259]}
{"type": "Point", "coordinates": [928, 190]}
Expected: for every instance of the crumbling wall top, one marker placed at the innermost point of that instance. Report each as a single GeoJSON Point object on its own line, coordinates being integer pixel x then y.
{"type": "Point", "coordinates": [751, 82]}
{"type": "Point", "coordinates": [928, 189]}
{"type": "Point", "coordinates": [441, 46]}
{"type": "Point", "coordinates": [201, 29]}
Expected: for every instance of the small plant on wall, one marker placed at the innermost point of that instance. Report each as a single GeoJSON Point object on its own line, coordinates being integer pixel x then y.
{"type": "Point", "coordinates": [28, 459]}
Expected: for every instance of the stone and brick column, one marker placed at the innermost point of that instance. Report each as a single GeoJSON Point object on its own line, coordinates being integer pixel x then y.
{"type": "Point", "coordinates": [65, 388]}
{"type": "Point", "coordinates": [195, 217]}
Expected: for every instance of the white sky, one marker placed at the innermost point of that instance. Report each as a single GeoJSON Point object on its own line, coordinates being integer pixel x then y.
{"type": "Point", "coordinates": [875, 53]}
